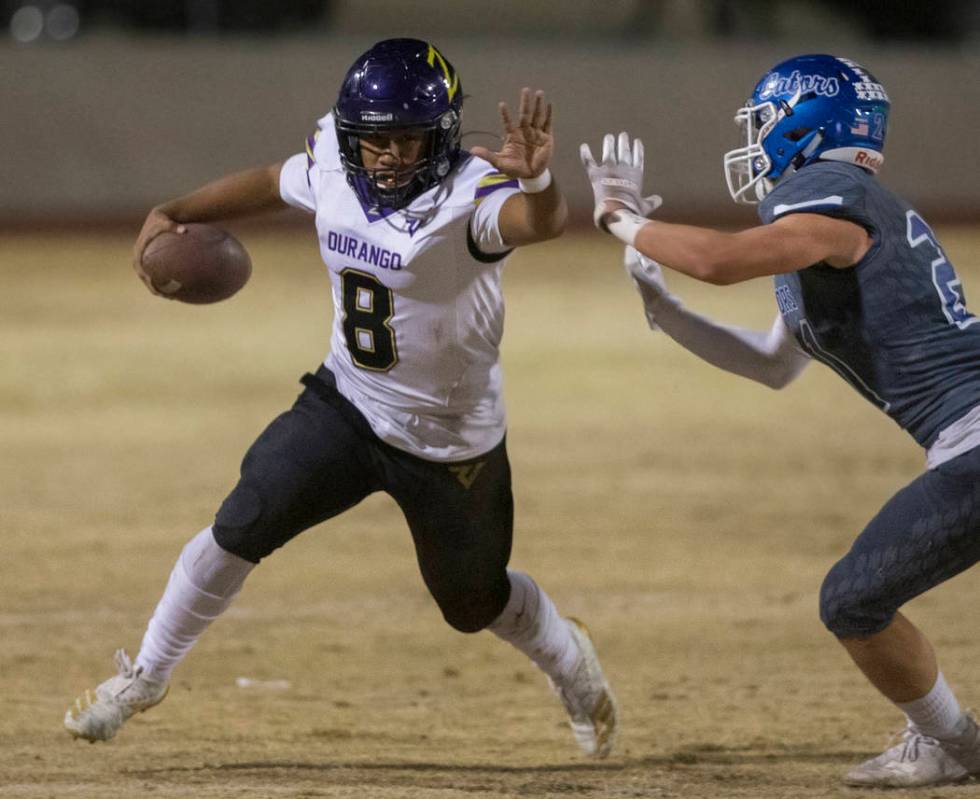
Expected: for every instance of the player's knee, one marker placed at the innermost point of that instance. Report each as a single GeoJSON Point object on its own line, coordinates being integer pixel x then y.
{"type": "Point", "coordinates": [235, 528]}
{"type": "Point", "coordinates": [470, 611]}
{"type": "Point", "coordinates": [467, 616]}
{"type": "Point", "coordinates": [854, 605]}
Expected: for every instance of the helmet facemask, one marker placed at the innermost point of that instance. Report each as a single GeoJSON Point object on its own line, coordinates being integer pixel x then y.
{"type": "Point", "coordinates": [384, 187]}
{"type": "Point", "coordinates": [749, 169]}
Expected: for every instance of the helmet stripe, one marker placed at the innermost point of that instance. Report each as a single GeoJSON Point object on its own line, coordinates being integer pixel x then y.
{"type": "Point", "coordinates": [452, 79]}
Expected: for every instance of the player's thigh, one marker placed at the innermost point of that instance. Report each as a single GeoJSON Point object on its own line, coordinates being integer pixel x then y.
{"type": "Point", "coordinates": [462, 518]}
{"type": "Point", "coordinates": [925, 534]}
{"type": "Point", "coordinates": [308, 465]}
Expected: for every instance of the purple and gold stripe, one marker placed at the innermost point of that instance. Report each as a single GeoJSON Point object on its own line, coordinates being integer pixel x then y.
{"type": "Point", "coordinates": [310, 144]}
{"type": "Point", "coordinates": [491, 183]}
{"type": "Point", "coordinates": [310, 158]}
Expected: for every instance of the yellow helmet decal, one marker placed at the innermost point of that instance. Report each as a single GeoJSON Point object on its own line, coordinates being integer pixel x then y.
{"type": "Point", "coordinates": [452, 79]}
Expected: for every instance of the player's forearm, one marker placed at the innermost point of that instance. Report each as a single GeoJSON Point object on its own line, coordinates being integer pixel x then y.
{"type": "Point", "coordinates": [724, 258]}
{"type": "Point", "coordinates": [239, 194]}
{"type": "Point", "coordinates": [527, 218]}
{"type": "Point", "coordinates": [702, 253]}
{"type": "Point", "coordinates": [546, 213]}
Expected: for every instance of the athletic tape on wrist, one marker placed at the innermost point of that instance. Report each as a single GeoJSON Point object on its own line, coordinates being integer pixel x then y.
{"type": "Point", "coordinates": [535, 185]}
{"type": "Point", "coordinates": [624, 225]}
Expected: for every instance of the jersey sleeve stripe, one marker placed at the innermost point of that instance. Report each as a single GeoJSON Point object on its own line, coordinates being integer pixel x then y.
{"type": "Point", "coordinates": [491, 183]}
{"type": "Point", "coordinates": [823, 202]}
{"type": "Point", "coordinates": [310, 149]}
{"type": "Point", "coordinates": [494, 178]}
{"type": "Point", "coordinates": [310, 144]}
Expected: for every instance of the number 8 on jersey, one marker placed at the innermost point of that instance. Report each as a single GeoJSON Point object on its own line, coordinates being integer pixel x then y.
{"type": "Point", "coordinates": [368, 307]}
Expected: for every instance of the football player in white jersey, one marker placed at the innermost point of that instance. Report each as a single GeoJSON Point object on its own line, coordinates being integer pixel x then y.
{"type": "Point", "coordinates": [414, 232]}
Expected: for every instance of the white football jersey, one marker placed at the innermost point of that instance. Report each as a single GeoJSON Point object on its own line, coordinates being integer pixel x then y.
{"type": "Point", "coordinates": [418, 309]}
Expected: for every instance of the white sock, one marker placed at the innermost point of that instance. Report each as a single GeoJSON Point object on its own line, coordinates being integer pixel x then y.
{"type": "Point", "coordinates": [937, 714]}
{"type": "Point", "coordinates": [202, 585]}
{"type": "Point", "coordinates": [531, 623]}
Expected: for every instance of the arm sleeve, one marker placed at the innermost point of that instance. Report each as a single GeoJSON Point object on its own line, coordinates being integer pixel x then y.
{"type": "Point", "coordinates": [772, 358]}
{"type": "Point", "coordinates": [295, 186]}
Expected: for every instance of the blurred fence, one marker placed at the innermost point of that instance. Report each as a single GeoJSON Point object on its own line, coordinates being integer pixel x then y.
{"type": "Point", "coordinates": [105, 126]}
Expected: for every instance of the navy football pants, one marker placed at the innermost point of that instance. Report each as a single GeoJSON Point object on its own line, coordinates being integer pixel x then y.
{"type": "Point", "coordinates": [321, 457]}
{"type": "Point", "coordinates": [928, 532]}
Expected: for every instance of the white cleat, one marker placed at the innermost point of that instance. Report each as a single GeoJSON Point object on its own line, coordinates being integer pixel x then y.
{"type": "Point", "coordinates": [97, 715]}
{"type": "Point", "coordinates": [587, 697]}
{"type": "Point", "coordinates": [919, 760]}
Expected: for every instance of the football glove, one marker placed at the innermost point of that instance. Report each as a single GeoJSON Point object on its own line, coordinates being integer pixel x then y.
{"type": "Point", "coordinates": [618, 177]}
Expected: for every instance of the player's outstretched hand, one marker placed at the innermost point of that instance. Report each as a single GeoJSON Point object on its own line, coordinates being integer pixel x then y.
{"type": "Point", "coordinates": [648, 278]}
{"type": "Point", "coordinates": [156, 223]}
{"type": "Point", "coordinates": [617, 181]}
{"type": "Point", "coordinates": [528, 145]}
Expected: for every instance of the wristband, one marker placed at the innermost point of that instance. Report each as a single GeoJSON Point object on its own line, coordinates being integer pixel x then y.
{"type": "Point", "coordinates": [535, 185]}
{"type": "Point", "coordinates": [624, 225]}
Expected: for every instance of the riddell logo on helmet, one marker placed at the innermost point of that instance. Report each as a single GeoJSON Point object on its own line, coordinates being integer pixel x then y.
{"type": "Point", "coordinates": [376, 116]}
{"type": "Point", "coordinates": [867, 159]}
{"type": "Point", "coordinates": [774, 84]}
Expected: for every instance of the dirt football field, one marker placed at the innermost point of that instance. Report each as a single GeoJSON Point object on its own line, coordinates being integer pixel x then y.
{"type": "Point", "coordinates": [687, 516]}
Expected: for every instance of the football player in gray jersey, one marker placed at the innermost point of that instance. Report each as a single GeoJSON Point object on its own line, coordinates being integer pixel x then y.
{"type": "Point", "coordinates": [862, 285]}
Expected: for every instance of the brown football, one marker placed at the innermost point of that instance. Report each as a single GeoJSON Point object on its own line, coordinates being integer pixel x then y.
{"type": "Point", "coordinates": [203, 265]}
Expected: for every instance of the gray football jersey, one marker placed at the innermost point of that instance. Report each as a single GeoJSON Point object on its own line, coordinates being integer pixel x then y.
{"type": "Point", "coordinates": [895, 325]}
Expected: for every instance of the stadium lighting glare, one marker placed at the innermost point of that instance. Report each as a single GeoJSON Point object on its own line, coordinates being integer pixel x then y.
{"type": "Point", "coordinates": [27, 24]}
{"type": "Point", "coordinates": [62, 22]}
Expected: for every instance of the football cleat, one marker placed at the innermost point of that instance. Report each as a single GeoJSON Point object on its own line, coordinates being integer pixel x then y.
{"type": "Point", "coordinates": [587, 697]}
{"type": "Point", "coordinates": [98, 715]}
{"type": "Point", "coordinates": [918, 760]}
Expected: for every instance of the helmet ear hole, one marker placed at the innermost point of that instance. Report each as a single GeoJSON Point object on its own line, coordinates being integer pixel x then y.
{"type": "Point", "coordinates": [448, 119]}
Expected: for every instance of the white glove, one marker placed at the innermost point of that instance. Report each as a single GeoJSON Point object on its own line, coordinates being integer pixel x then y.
{"type": "Point", "coordinates": [648, 278]}
{"type": "Point", "coordinates": [619, 177]}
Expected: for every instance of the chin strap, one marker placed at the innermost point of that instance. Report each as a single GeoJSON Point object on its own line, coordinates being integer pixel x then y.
{"type": "Point", "coordinates": [811, 148]}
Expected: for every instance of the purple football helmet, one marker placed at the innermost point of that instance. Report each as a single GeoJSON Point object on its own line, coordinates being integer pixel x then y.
{"type": "Point", "coordinates": [399, 84]}
{"type": "Point", "coordinates": [805, 109]}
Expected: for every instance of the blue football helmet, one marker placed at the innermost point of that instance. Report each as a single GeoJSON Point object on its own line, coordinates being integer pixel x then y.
{"type": "Point", "coordinates": [808, 108]}
{"type": "Point", "coordinates": [399, 84]}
